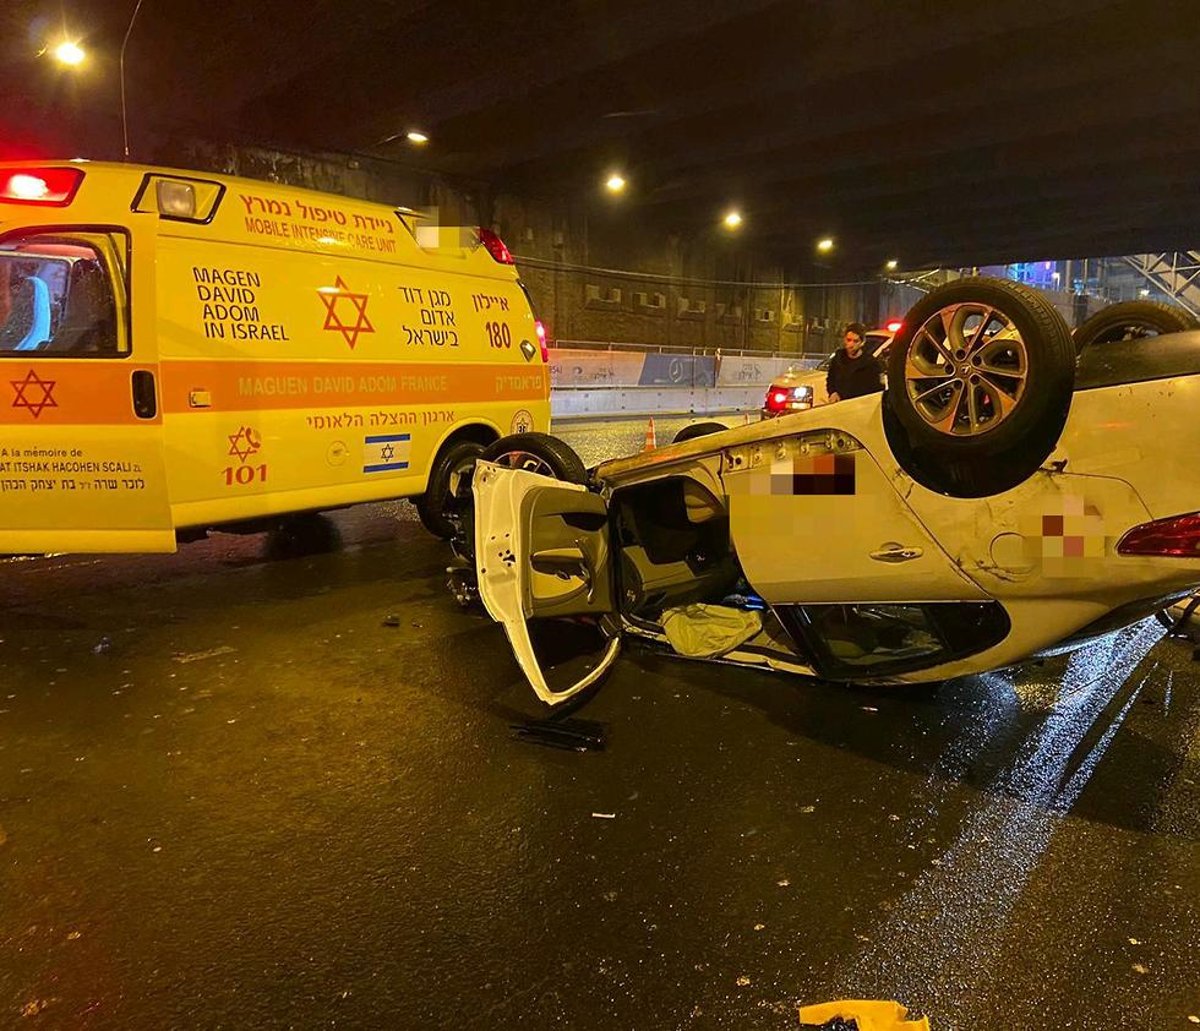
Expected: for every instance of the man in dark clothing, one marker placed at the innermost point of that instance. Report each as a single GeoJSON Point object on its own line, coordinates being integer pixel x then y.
{"type": "Point", "coordinates": [852, 373]}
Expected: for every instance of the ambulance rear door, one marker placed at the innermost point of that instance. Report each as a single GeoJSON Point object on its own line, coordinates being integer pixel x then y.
{"type": "Point", "coordinates": [82, 466]}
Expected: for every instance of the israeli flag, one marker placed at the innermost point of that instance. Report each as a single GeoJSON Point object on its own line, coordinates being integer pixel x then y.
{"type": "Point", "coordinates": [386, 454]}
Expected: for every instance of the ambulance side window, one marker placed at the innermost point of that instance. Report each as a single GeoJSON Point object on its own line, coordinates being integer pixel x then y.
{"type": "Point", "coordinates": [59, 296]}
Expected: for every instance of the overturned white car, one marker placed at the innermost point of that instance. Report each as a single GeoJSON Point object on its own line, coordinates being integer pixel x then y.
{"type": "Point", "coordinates": [999, 501]}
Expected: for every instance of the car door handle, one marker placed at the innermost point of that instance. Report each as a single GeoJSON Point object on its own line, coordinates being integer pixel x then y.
{"type": "Point", "coordinates": [896, 553]}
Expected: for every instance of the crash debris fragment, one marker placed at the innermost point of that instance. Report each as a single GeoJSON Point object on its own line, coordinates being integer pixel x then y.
{"type": "Point", "coordinates": [211, 653]}
{"type": "Point", "coordinates": [575, 735]}
{"type": "Point", "coordinates": [860, 1015]}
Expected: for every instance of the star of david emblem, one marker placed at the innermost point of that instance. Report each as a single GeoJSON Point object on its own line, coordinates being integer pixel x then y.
{"type": "Point", "coordinates": [350, 322]}
{"type": "Point", "coordinates": [388, 452]}
{"type": "Point", "coordinates": [243, 444]}
{"type": "Point", "coordinates": [34, 393]}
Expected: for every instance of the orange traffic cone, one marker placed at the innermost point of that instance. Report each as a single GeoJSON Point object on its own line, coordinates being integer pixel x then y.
{"type": "Point", "coordinates": [651, 439]}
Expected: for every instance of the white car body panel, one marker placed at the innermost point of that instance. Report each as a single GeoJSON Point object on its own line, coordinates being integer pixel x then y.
{"type": "Point", "coordinates": [1045, 550]}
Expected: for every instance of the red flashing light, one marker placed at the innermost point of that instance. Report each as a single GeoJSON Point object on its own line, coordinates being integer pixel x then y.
{"type": "Point", "coordinates": [894, 326]}
{"type": "Point", "coordinates": [495, 246]}
{"type": "Point", "coordinates": [1173, 537]}
{"type": "Point", "coordinates": [540, 330]}
{"type": "Point", "coordinates": [54, 187]}
{"type": "Point", "coordinates": [777, 400]}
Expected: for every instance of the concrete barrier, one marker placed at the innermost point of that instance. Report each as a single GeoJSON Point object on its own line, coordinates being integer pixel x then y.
{"type": "Point", "coordinates": [614, 384]}
{"type": "Point", "coordinates": [742, 371]}
{"type": "Point", "coordinates": [622, 402]}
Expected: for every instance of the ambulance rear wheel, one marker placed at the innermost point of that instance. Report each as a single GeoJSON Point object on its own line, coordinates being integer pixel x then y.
{"type": "Point", "coordinates": [436, 507]}
{"type": "Point", "coordinates": [531, 452]}
{"type": "Point", "coordinates": [538, 453]}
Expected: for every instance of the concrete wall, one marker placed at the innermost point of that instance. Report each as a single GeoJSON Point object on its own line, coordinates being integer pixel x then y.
{"type": "Point", "coordinates": [579, 260]}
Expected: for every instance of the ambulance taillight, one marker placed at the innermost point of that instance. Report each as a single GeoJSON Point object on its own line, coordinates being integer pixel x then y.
{"type": "Point", "coordinates": [540, 329]}
{"type": "Point", "coordinates": [495, 246]}
{"type": "Point", "coordinates": [54, 187]}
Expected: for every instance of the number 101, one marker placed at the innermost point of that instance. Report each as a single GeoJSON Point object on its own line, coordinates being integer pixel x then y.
{"type": "Point", "coordinates": [245, 474]}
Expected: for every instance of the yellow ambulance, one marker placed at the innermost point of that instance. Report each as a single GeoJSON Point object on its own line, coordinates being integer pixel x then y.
{"type": "Point", "coordinates": [181, 351]}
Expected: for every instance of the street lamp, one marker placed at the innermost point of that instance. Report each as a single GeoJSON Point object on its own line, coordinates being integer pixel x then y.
{"type": "Point", "coordinates": [615, 183]}
{"type": "Point", "coordinates": [69, 52]}
{"type": "Point", "coordinates": [892, 265]}
{"type": "Point", "coordinates": [733, 220]}
{"type": "Point", "coordinates": [417, 137]}
{"type": "Point", "coordinates": [825, 245]}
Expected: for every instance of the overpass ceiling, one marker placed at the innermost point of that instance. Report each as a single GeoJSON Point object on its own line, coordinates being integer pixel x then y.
{"type": "Point", "coordinates": [955, 133]}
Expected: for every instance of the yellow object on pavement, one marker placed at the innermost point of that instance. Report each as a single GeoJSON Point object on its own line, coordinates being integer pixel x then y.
{"type": "Point", "coordinates": [869, 1014]}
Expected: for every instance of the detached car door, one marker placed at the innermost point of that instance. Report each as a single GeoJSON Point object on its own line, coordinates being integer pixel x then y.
{"type": "Point", "coordinates": [542, 551]}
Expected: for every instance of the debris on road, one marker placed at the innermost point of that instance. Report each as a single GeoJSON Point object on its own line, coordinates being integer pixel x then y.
{"type": "Point", "coordinates": [604, 816]}
{"type": "Point", "coordinates": [743, 981]}
{"type": "Point", "coordinates": [572, 734]}
{"type": "Point", "coordinates": [36, 1006]}
{"type": "Point", "coordinates": [860, 1015]}
{"type": "Point", "coordinates": [102, 647]}
{"type": "Point", "coordinates": [391, 620]}
{"type": "Point", "coordinates": [212, 653]}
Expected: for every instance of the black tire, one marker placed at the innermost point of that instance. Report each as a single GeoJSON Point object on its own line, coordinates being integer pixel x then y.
{"type": "Point", "coordinates": [699, 429]}
{"type": "Point", "coordinates": [435, 506]}
{"type": "Point", "coordinates": [539, 453]}
{"type": "Point", "coordinates": [983, 449]}
{"type": "Point", "coordinates": [1131, 320]}
{"type": "Point", "coordinates": [535, 452]}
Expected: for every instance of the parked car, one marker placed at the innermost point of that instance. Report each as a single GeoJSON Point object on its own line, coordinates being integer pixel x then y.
{"type": "Point", "coordinates": [987, 508]}
{"type": "Point", "coordinates": [800, 389]}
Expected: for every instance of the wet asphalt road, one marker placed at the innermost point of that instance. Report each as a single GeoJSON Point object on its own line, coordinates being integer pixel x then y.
{"type": "Point", "coordinates": [232, 796]}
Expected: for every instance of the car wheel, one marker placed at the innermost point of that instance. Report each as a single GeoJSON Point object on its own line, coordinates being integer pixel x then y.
{"type": "Point", "coordinates": [979, 386]}
{"type": "Point", "coordinates": [533, 452]}
{"type": "Point", "coordinates": [537, 453]}
{"type": "Point", "coordinates": [700, 429]}
{"type": "Point", "coordinates": [435, 506]}
{"type": "Point", "coordinates": [1131, 320]}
